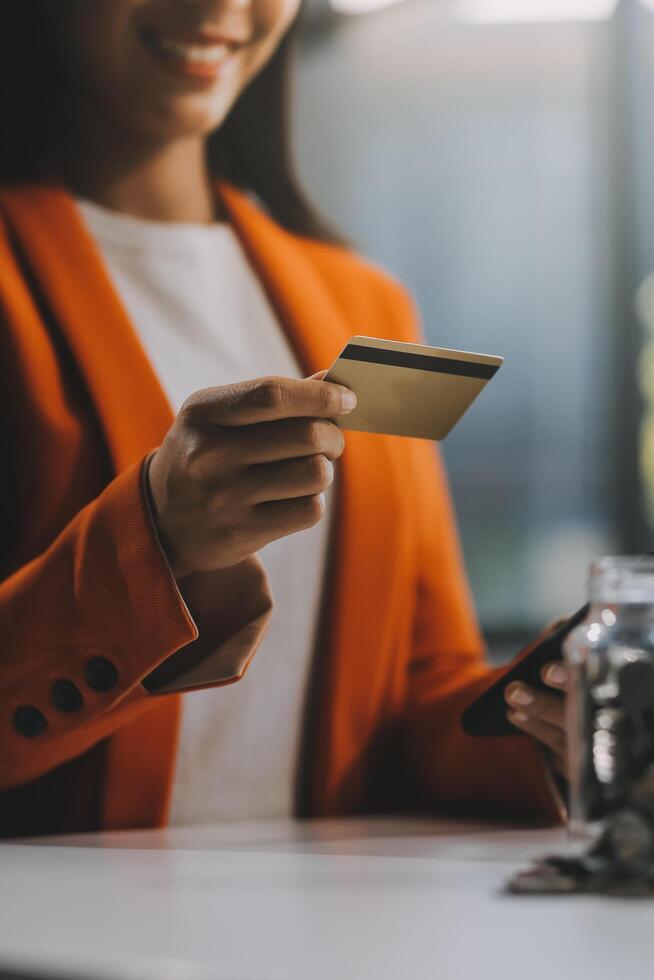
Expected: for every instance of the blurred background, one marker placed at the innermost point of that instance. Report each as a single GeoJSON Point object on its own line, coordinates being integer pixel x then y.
{"type": "Point", "coordinates": [497, 156]}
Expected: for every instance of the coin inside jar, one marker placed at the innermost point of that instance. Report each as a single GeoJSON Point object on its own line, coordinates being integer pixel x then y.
{"type": "Point", "coordinates": [630, 839]}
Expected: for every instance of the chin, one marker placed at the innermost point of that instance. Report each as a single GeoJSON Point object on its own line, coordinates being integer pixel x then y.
{"type": "Point", "coordinates": [185, 118]}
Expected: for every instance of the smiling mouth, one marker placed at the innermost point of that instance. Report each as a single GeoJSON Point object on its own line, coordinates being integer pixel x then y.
{"type": "Point", "coordinates": [199, 57]}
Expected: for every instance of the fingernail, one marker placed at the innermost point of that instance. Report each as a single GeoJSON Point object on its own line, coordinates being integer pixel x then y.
{"type": "Point", "coordinates": [520, 696]}
{"type": "Point", "coordinates": [519, 716]}
{"type": "Point", "coordinates": [557, 674]}
{"type": "Point", "coordinates": [330, 471]}
{"type": "Point", "coordinates": [348, 400]}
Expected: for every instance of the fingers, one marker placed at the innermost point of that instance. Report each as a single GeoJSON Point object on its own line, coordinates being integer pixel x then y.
{"type": "Point", "coordinates": [266, 442]}
{"type": "Point", "coordinates": [287, 480]}
{"type": "Point", "coordinates": [540, 714]}
{"type": "Point", "coordinates": [278, 518]}
{"type": "Point", "coordinates": [287, 439]}
{"type": "Point", "coordinates": [555, 675]}
{"type": "Point", "coordinates": [245, 464]}
{"type": "Point", "coordinates": [548, 708]}
{"type": "Point", "coordinates": [551, 736]}
{"type": "Point", "coordinates": [268, 399]}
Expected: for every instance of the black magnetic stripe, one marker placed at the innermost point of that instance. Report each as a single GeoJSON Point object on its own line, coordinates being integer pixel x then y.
{"type": "Point", "coordinates": [421, 362]}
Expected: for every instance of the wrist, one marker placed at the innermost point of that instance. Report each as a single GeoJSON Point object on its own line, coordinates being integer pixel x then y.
{"type": "Point", "coordinates": [176, 568]}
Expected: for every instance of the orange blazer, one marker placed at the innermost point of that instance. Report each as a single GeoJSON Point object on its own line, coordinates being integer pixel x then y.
{"type": "Point", "coordinates": [86, 594]}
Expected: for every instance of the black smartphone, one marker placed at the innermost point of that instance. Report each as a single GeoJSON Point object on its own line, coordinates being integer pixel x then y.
{"type": "Point", "coordinates": [487, 714]}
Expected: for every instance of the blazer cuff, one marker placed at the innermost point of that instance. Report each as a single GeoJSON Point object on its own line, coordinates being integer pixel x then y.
{"type": "Point", "coordinates": [230, 609]}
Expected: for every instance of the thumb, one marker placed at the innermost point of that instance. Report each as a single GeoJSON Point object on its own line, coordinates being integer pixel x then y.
{"type": "Point", "coordinates": [318, 376]}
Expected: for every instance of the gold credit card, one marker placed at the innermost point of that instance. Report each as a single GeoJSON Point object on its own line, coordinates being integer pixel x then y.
{"type": "Point", "coordinates": [409, 389]}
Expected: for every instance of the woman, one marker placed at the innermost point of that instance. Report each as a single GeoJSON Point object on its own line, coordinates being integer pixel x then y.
{"type": "Point", "coordinates": [155, 251]}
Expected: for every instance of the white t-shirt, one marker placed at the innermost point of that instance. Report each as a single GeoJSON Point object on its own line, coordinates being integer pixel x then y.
{"type": "Point", "coordinates": [204, 319]}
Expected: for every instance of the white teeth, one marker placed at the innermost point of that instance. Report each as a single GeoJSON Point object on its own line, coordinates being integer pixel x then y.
{"type": "Point", "coordinates": [196, 54]}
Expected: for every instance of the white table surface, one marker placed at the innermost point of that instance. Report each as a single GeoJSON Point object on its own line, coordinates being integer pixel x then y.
{"type": "Point", "coordinates": [346, 900]}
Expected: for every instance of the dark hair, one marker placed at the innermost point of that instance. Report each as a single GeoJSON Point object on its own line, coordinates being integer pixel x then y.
{"type": "Point", "coordinates": [251, 149]}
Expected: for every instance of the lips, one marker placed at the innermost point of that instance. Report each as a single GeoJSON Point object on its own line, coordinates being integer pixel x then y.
{"type": "Point", "coordinates": [199, 56]}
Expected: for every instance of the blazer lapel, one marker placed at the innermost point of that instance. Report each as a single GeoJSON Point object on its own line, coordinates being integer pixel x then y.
{"type": "Point", "coordinates": [312, 323]}
{"type": "Point", "coordinates": [131, 405]}
{"type": "Point", "coordinates": [355, 649]}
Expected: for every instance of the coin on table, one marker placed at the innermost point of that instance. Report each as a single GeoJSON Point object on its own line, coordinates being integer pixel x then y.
{"type": "Point", "coordinates": [543, 879]}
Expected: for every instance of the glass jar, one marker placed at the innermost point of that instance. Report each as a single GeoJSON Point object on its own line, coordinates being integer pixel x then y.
{"type": "Point", "coordinates": [610, 706]}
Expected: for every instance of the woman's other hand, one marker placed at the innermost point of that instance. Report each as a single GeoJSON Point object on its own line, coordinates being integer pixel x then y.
{"type": "Point", "coordinates": [542, 714]}
{"type": "Point", "coordinates": [242, 465]}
